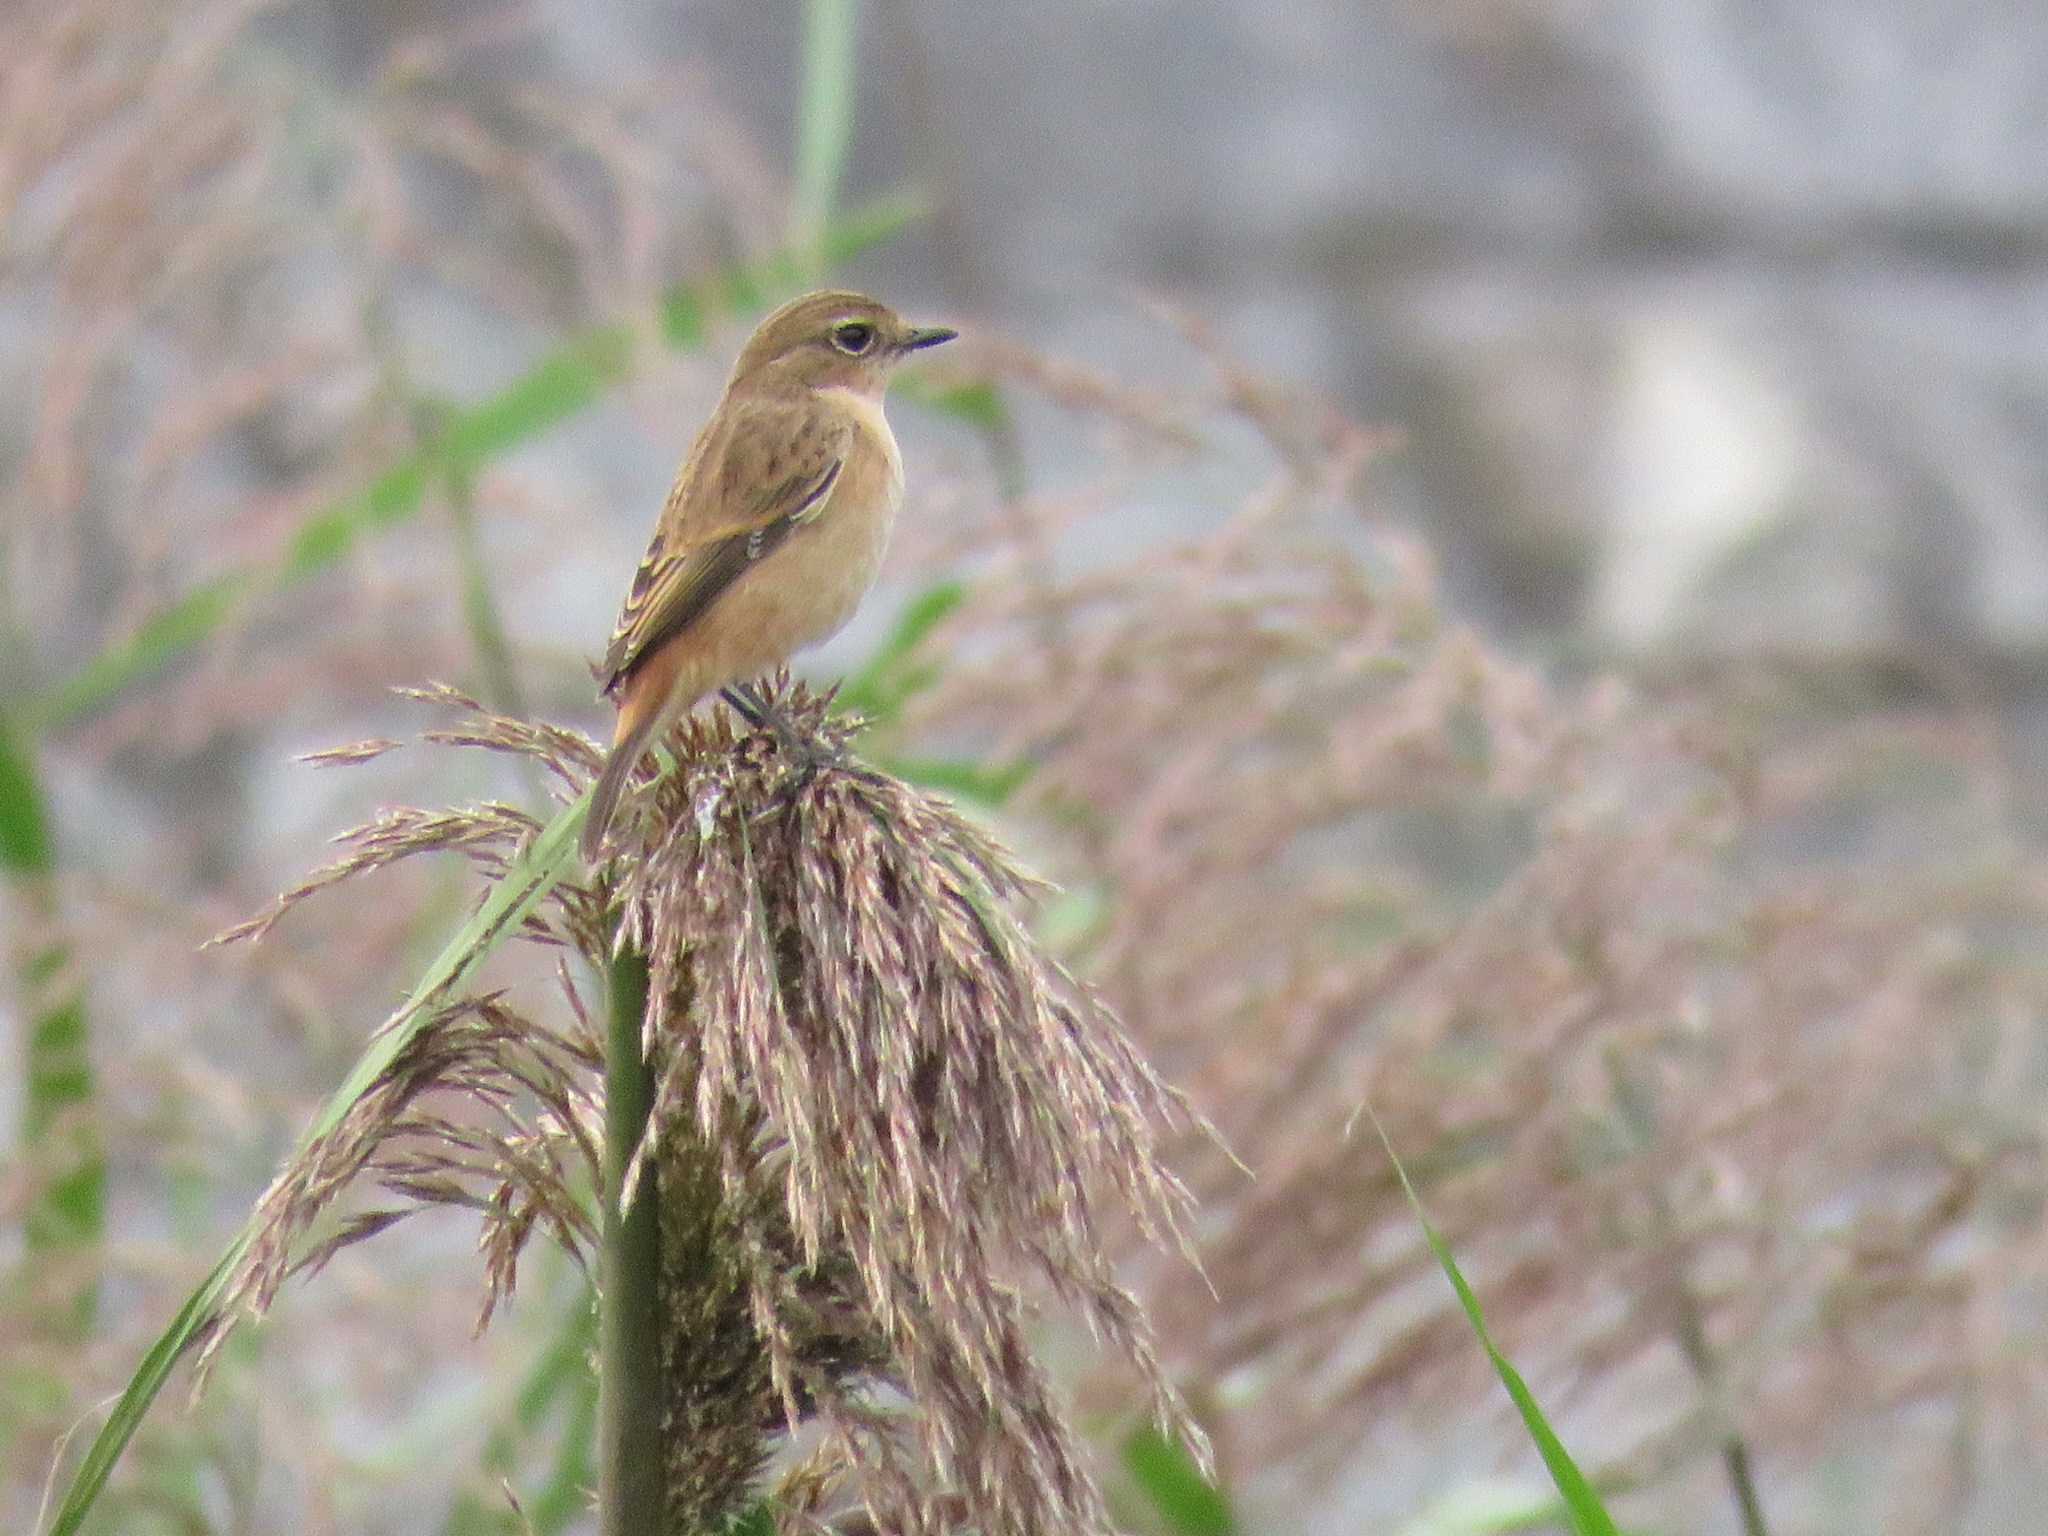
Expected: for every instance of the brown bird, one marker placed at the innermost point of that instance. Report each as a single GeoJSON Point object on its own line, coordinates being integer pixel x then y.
{"type": "Point", "coordinates": [774, 529]}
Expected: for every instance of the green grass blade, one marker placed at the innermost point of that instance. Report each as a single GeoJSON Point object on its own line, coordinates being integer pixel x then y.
{"type": "Point", "coordinates": [560, 385]}
{"type": "Point", "coordinates": [489, 642]}
{"type": "Point", "coordinates": [980, 404]}
{"type": "Point", "coordinates": [892, 676]}
{"type": "Point", "coordinates": [148, 1380]}
{"type": "Point", "coordinates": [550, 856]}
{"type": "Point", "coordinates": [1487, 1510]}
{"type": "Point", "coordinates": [977, 403]}
{"type": "Point", "coordinates": [165, 634]}
{"type": "Point", "coordinates": [560, 1384]}
{"type": "Point", "coordinates": [824, 124]}
{"type": "Point", "coordinates": [24, 830]}
{"type": "Point", "coordinates": [1582, 1506]}
{"type": "Point", "coordinates": [66, 1216]}
{"type": "Point", "coordinates": [897, 673]}
{"type": "Point", "coordinates": [531, 876]}
{"type": "Point", "coordinates": [1187, 1502]}
{"type": "Point", "coordinates": [988, 785]}
{"type": "Point", "coordinates": [565, 1496]}
{"type": "Point", "coordinates": [70, 1210]}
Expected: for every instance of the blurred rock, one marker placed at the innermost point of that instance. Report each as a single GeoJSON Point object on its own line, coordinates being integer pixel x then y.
{"type": "Point", "coordinates": [1709, 324]}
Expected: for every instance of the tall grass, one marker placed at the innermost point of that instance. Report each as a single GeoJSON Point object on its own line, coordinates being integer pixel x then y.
{"type": "Point", "coordinates": [824, 124]}
{"type": "Point", "coordinates": [790, 1267]}
{"type": "Point", "coordinates": [509, 902]}
{"type": "Point", "coordinates": [1683, 1094]}
{"type": "Point", "coordinates": [65, 1220]}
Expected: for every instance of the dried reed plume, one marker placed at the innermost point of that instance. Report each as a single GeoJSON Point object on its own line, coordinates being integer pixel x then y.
{"type": "Point", "coordinates": [879, 1107]}
{"type": "Point", "coordinates": [1702, 1018]}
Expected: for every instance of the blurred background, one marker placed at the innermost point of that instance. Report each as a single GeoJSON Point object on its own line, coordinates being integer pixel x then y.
{"type": "Point", "coordinates": [1497, 549]}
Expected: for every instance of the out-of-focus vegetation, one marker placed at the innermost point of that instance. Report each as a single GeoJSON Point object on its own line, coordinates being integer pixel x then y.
{"type": "Point", "coordinates": [1703, 1008]}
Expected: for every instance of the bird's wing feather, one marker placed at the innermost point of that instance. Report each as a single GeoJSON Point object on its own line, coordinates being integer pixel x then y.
{"type": "Point", "coordinates": [766, 468]}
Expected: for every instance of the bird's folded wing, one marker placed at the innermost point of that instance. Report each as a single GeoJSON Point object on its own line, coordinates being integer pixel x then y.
{"type": "Point", "coordinates": [769, 468]}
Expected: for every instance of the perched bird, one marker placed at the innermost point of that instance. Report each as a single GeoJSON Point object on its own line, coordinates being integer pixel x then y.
{"type": "Point", "coordinates": [774, 529]}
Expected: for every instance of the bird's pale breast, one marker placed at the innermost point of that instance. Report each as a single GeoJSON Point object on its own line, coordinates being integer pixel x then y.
{"type": "Point", "coordinates": [808, 587]}
{"type": "Point", "coordinates": [840, 554]}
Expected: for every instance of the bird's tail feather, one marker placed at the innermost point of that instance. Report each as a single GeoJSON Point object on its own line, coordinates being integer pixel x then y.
{"type": "Point", "coordinates": [611, 784]}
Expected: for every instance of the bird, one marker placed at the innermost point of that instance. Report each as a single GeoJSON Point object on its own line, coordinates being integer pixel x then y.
{"type": "Point", "coordinates": [774, 529]}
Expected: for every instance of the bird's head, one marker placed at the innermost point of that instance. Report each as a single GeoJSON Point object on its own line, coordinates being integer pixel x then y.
{"type": "Point", "coordinates": [834, 339]}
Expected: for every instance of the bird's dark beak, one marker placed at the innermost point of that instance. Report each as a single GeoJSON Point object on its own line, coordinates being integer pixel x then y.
{"type": "Point", "coordinates": [928, 336]}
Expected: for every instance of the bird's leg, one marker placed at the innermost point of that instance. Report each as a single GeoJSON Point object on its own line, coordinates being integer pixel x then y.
{"type": "Point", "coordinates": [748, 704]}
{"type": "Point", "coordinates": [809, 751]}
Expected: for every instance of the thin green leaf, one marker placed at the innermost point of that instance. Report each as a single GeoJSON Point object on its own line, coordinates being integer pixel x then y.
{"type": "Point", "coordinates": [64, 1153]}
{"type": "Point", "coordinates": [559, 1384]}
{"type": "Point", "coordinates": [978, 403]}
{"type": "Point", "coordinates": [565, 1496]}
{"type": "Point", "coordinates": [824, 124]}
{"type": "Point", "coordinates": [556, 388]}
{"type": "Point", "coordinates": [199, 1309]}
{"type": "Point", "coordinates": [880, 688]}
{"type": "Point", "coordinates": [531, 876]}
{"type": "Point", "coordinates": [163, 635]}
{"type": "Point", "coordinates": [982, 405]}
{"type": "Point", "coordinates": [70, 1209]}
{"type": "Point", "coordinates": [984, 784]}
{"type": "Point", "coordinates": [480, 611]}
{"type": "Point", "coordinates": [24, 829]}
{"type": "Point", "coordinates": [1582, 1506]}
{"type": "Point", "coordinates": [561, 385]}
{"type": "Point", "coordinates": [895, 674]}
{"type": "Point", "coordinates": [1488, 1510]}
{"type": "Point", "coordinates": [1188, 1503]}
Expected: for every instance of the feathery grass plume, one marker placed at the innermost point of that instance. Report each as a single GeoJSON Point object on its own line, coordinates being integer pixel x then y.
{"type": "Point", "coordinates": [879, 1106]}
{"type": "Point", "coordinates": [485, 1108]}
{"type": "Point", "coordinates": [837, 966]}
{"type": "Point", "coordinates": [1704, 1019]}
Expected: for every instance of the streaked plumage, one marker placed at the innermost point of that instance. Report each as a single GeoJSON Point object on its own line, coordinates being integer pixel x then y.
{"type": "Point", "coordinates": [775, 527]}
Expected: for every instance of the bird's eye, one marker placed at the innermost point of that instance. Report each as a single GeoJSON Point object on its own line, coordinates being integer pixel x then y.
{"type": "Point", "coordinates": [853, 338]}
